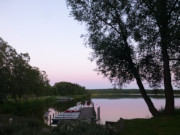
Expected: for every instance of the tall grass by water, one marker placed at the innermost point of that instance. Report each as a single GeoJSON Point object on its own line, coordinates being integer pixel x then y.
{"type": "Point", "coordinates": [31, 108]}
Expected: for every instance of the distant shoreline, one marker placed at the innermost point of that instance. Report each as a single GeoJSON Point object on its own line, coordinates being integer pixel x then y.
{"type": "Point", "coordinates": [127, 93]}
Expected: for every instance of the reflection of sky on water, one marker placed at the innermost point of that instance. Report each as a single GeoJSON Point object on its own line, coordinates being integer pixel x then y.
{"type": "Point", "coordinates": [127, 108]}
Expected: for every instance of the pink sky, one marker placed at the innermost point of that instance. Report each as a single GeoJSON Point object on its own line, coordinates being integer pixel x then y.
{"type": "Point", "coordinates": [45, 30]}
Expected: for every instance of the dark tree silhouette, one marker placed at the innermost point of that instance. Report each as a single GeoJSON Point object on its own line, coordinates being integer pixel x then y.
{"type": "Point", "coordinates": [67, 88]}
{"type": "Point", "coordinates": [18, 79]}
{"type": "Point", "coordinates": [158, 30]}
{"type": "Point", "coordinates": [130, 41]}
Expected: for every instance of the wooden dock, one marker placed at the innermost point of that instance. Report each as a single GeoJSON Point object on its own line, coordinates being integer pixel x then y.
{"type": "Point", "coordinates": [87, 113]}
{"type": "Point", "coordinates": [79, 112]}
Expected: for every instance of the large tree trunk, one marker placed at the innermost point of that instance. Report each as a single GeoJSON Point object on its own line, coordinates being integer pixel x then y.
{"type": "Point", "coordinates": [135, 72]}
{"type": "Point", "coordinates": [160, 12]}
{"type": "Point", "coordinates": [168, 89]}
{"type": "Point", "coordinates": [163, 27]}
{"type": "Point", "coordinates": [147, 99]}
{"type": "Point", "coordinates": [169, 94]}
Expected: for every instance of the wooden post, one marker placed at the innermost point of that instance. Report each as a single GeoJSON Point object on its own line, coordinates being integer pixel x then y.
{"type": "Point", "coordinates": [98, 113]}
{"type": "Point", "coordinates": [50, 121]}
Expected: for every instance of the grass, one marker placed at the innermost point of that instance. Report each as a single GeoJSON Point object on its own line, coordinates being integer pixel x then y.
{"type": "Point", "coordinates": [163, 125]}
{"type": "Point", "coordinates": [20, 126]}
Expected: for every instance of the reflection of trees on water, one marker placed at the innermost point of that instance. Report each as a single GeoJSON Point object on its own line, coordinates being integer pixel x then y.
{"type": "Point", "coordinates": [62, 106]}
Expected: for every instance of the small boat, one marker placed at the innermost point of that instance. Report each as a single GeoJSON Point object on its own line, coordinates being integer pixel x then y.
{"type": "Point", "coordinates": [65, 116]}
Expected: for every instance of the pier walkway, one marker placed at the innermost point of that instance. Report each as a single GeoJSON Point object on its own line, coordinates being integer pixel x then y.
{"type": "Point", "coordinates": [87, 113]}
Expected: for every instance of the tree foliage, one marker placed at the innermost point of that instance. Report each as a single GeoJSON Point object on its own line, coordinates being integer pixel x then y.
{"type": "Point", "coordinates": [18, 79]}
{"type": "Point", "coordinates": [108, 36]}
{"type": "Point", "coordinates": [158, 28]}
{"type": "Point", "coordinates": [67, 88]}
{"type": "Point", "coordinates": [133, 39]}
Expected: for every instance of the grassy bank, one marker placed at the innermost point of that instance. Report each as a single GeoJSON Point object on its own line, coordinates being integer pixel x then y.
{"type": "Point", "coordinates": [164, 125]}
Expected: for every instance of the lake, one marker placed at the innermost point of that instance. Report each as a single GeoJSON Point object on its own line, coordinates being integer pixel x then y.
{"type": "Point", "coordinates": [113, 109]}
{"type": "Point", "coordinates": [127, 108]}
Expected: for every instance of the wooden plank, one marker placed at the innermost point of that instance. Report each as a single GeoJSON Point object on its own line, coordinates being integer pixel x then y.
{"type": "Point", "coordinates": [87, 113]}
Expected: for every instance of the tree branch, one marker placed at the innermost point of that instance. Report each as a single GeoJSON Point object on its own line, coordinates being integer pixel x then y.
{"type": "Point", "coordinates": [103, 20]}
{"type": "Point", "coordinates": [174, 59]}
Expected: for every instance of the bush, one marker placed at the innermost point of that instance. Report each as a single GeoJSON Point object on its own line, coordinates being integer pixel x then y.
{"type": "Point", "coordinates": [20, 126]}
{"type": "Point", "coordinates": [80, 128]}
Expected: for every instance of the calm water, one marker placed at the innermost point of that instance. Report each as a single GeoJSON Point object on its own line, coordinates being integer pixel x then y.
{"type": "Point", "coordinates": [127, 108]}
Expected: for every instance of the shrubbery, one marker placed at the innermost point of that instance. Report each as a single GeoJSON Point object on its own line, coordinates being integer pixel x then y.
{"type": "Point", "coordinates": [80, 128]}
{"type": "Point", "coordinates": [20, 126]}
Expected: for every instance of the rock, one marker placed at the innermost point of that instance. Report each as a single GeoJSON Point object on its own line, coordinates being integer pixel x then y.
{"type": "Point", "coordinates": [121, 124]}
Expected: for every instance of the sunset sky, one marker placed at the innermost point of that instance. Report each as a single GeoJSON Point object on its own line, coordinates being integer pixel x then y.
{"type": "Point", "coordinates": [45, 30]}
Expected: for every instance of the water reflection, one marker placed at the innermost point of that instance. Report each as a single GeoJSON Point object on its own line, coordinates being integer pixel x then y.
{"type": "Point", "coordinates": [127, 108]}
{"type": "Point", "coordinates": [111, 109]}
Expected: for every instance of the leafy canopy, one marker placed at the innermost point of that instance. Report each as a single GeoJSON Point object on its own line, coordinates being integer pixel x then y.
{"type": "Point", "coordinates": [122, 32]}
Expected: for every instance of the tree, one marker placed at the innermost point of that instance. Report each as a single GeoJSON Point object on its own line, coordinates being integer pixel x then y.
{"type": "Point", "coordinates": [118, 33]}
{"type": "Point", "coordinates": [158, 30]}
{"type": "Point", "coordinates": [40, 83]}
{"type": "Point", "coordinates": [6, 56]}
{"type": "Point", "coordinates": [67, 88]}
{"type": "Point", "coordinates": [18, 78]}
